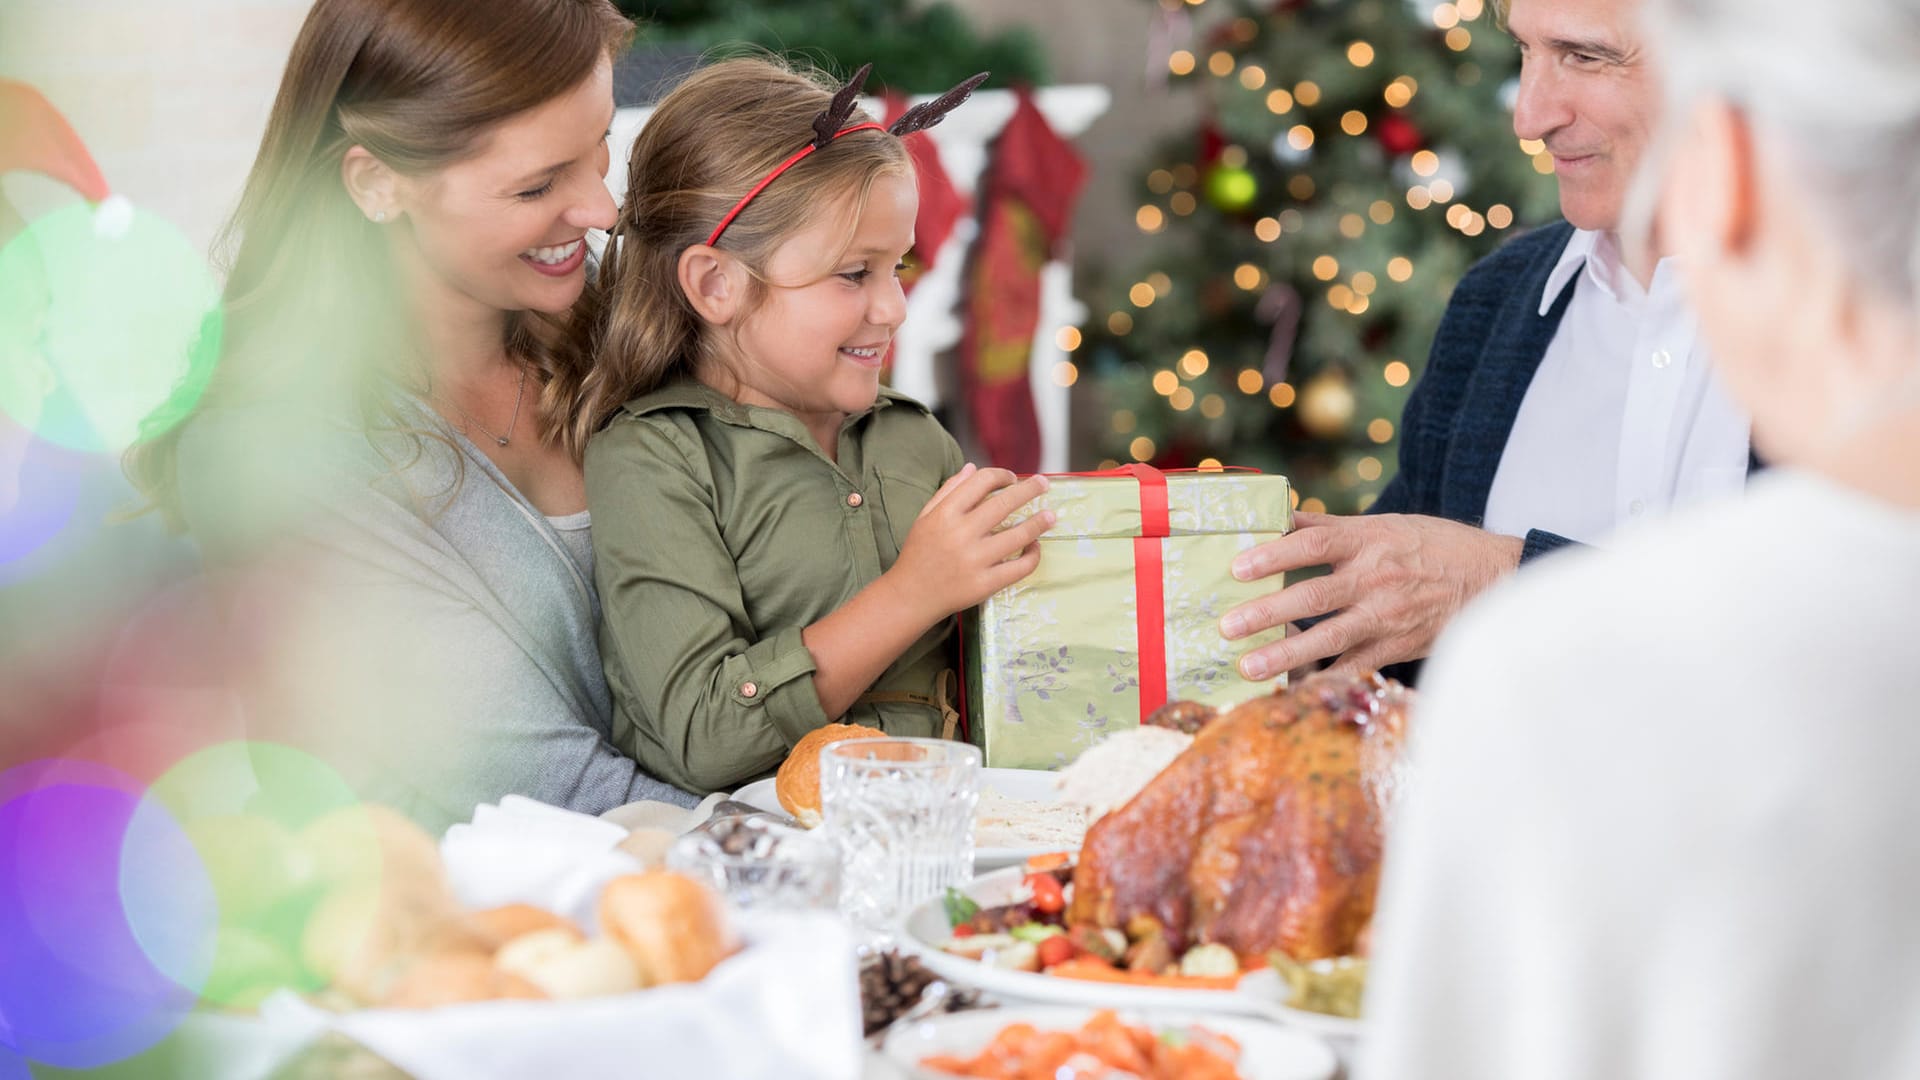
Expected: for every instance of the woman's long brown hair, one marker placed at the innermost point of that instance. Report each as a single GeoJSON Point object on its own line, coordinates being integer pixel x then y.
{"type": "Point", "coordinates": [311, 307]}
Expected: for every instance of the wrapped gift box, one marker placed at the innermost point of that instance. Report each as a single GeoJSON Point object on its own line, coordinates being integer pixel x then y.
{"type": "Point", "coordinates": [1123, 613]}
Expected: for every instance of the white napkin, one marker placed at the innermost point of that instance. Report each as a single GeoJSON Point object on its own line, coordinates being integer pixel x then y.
{"type": "Point", "coordinates": [526, 852]}
{"type": "Point", "coordinates": [648, 814]}
{"type": "Point", "coordinates": [785, 1008]}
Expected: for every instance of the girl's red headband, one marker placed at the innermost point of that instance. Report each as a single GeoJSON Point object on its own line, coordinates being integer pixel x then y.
{"type": "Point", "coordinates": [827, 127]}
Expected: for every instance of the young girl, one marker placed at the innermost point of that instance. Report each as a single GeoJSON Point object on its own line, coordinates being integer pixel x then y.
{"type": "Point", "coordinates": [780, 541]}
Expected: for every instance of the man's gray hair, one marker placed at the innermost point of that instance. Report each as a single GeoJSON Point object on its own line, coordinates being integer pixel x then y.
{"type": "Point", "coordinates": [1837, 89]}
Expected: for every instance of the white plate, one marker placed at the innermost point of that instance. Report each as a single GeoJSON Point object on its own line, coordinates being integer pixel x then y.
{"type": "Point", "coordinates": [1267, 1052]}
{"type": "Point", "coordinates": [1260, 993]}
{"type": "Point", "coordinates": [1034, 785]}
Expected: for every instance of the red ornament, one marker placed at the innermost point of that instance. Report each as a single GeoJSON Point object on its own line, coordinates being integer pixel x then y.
{"type": "Point", "coordinates": [1212, 144]}
{"type": "Point", "coordinates": [1397, 135]}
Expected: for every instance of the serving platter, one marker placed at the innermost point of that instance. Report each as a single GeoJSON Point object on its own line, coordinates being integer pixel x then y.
{"type": "Point", "coordinates": [1268, 1051]}
{"type": "Point", "coordinates": [1261, 993]}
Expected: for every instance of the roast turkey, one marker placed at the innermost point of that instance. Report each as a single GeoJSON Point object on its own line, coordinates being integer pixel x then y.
{"type": "Point", "coordinates": [1266, 834]}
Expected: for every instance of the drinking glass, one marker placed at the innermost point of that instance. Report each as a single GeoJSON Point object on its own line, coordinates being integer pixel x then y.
{"type": "Point", "coordinates": [901, 811]}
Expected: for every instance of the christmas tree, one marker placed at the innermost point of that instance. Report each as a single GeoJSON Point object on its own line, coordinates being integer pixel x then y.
{"type": "Point", "coordinates": [1357, 157]}
{"type": "Point", "coordinates": [913, 47]}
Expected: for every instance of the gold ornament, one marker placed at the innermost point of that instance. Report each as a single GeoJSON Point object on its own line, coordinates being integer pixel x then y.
{"type": "Point", "coordinates": [1326, 405]}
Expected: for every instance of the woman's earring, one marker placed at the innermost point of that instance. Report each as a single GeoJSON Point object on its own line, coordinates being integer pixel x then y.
{"type": "Point", "coordinates": [379, 216]}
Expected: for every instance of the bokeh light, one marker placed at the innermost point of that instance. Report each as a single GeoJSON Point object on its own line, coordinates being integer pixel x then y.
{"type": "Point", "coordinates": [100, 328]}
{"type": "Point", "coordinates": [248, 808]}
{"type": "Point", "coordinates": [106, 919]}
{"type": "Point", "coordinates": [40, 486]}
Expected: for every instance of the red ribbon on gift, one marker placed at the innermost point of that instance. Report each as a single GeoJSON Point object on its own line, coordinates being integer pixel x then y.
{"type": "Point", "coordinates": [1149, 587]}
{"type": "Point", "coordinates": [1149, 580]}
{"type": "Point", "coordinates": [1149, 576]}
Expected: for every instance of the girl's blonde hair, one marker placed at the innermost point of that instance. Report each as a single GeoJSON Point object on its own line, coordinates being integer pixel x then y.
{"type": "Point", "coordinates": [710, 141]}
{"type": "Point", "coordinates": [310, 303]}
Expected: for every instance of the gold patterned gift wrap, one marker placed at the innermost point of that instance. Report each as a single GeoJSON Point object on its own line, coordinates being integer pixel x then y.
{"type": "Point", "coordinates": [1123, 614]}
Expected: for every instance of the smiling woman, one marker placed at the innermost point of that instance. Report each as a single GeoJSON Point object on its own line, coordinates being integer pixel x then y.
{"type": "Point", "coordinates": [384, 439]}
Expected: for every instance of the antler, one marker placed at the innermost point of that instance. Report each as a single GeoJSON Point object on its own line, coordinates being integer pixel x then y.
{"type": "Point", "coordinates": [828, 123]}
{"type": "Point", "coordinates": [928, 113]}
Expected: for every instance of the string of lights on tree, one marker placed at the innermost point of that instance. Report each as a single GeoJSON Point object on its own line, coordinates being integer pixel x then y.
{"type": "Point", "coordinates": [1356, 157]}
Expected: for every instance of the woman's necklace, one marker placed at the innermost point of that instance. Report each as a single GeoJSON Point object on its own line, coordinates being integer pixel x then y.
{"type": "Point", "coordinates": [500, 440]}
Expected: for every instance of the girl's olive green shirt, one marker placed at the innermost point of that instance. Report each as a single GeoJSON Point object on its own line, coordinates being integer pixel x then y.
{"type": "Point", "coordinates": [720, 531]}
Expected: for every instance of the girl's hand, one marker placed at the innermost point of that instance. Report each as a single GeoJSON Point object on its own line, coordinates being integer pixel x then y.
{"type": "Point", "coordinates": [953, 558]}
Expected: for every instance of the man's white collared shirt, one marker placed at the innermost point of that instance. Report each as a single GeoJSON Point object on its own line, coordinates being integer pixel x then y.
{"type": "Point", "coordinates": [1624, 419]}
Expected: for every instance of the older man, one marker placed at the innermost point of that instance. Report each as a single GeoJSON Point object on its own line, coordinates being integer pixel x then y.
{"type": "Point", "coordinates": [1565, 397]}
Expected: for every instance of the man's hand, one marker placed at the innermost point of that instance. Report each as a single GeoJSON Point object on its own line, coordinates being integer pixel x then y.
{"type": "Point", "coordinates": [1396, 581]}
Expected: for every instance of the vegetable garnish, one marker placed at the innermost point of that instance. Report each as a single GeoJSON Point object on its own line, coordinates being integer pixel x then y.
{"type": "Point", "coordinates": [959, 907]}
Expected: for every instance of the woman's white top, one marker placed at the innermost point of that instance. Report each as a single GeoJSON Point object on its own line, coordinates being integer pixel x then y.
{"type": "Point", "coordinates": [1664, 817]}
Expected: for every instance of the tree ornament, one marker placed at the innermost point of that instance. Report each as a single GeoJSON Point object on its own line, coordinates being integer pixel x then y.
{"type": "Point", "coordinates": [1450, 167]}
{"type": "Point", "coordinates": [1212, 144]}
{"type": "Point", "coordinates": [1326, 404]}
{"type": "Point", "coordinates": [1288, 154]}
{"type": "Point", "coordinates": [1397, 135]}
{"type": "Point", "coordinates": [1232, 188]}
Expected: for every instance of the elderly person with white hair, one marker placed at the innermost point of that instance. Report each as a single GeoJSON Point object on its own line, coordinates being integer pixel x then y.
{"type": "Point", "coordinates": [1665, 813]}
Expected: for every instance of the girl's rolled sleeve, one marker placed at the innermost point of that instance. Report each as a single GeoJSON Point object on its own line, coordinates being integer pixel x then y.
{"type": "Point", "coordinates": [700, 698]}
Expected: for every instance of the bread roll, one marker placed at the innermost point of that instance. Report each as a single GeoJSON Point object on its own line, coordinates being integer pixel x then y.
{"type": "Point", "coordinates": [532, 948]}
{"type": "Point", "coordinates": [454, 978]}
{"type": "Point", "coordinates": [797, 784]}
{"type": "Point", "coordinates": [385, 899]}
{"type": "Point", "coordinates": [372, 842]}
{"type": "Point", "coordinates": [361, 933]}
{"type": "Point", "coordinates": [671, 925]}
{"type": "Point", "coordinates": [497, 926]}
{"type": "Point", "coordinates": [563, 965]}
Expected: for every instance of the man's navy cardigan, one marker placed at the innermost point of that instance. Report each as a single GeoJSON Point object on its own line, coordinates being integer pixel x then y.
{"type": "Point", "coordinates": [1489, 344]}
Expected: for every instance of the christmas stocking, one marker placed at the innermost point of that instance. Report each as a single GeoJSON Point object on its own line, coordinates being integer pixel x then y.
{"type": "Point", "coordinates": [1027, 197]}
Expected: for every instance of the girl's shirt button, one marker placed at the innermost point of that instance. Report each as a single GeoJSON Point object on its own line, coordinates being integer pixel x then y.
{"type": "Point", "coordinates": [855, 499]}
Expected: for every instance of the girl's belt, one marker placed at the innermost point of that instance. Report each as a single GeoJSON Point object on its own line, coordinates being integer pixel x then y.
{"type": "Point", "coordinates": [942, 700]}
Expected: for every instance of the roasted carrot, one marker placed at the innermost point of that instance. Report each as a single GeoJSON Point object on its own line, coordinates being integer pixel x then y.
{"type": "Point", "coordinates": [1053, 860]}
{"type": "Point", "coordinates": [1094, 969]}
{"type": "Point", "coordinates": [1103, 1046]}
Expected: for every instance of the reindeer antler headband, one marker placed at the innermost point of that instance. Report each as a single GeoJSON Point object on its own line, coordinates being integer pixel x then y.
{"type": "Point", "coordinates": [827, 128]}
